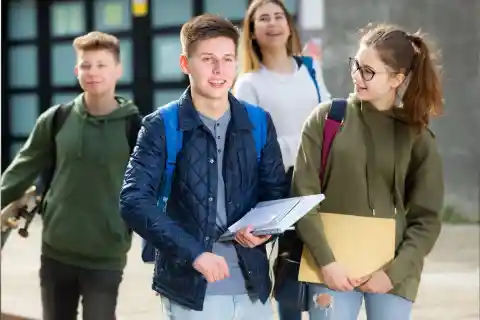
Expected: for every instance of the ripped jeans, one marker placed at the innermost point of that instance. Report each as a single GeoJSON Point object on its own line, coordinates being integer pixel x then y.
{"type": "Point", "coordinates": [326, 304]}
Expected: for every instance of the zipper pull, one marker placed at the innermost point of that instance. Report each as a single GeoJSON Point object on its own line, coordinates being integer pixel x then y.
{"type": "Point", "coordinates": [373, 211]}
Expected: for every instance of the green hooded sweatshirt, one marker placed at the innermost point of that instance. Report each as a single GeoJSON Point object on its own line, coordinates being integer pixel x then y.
{"type": "Point", "coordinates": [376, 162]}
{"type": "Point", "coordinates": [82, 225]}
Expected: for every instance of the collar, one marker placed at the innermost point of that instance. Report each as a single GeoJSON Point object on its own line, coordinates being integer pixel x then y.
{"type": "Point", "coordinates": [189, 119]}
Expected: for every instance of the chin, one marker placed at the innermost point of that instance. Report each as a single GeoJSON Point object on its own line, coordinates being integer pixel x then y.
{"type": "Point", "coordinates": [362, 95]}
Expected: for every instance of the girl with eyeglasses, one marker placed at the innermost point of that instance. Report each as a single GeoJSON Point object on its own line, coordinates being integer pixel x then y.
{"type": "Point", "coordinates": [383, 162]}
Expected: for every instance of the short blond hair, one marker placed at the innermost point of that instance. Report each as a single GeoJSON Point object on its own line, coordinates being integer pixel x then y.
{"type": "Point", "coordinates": [97, 40]}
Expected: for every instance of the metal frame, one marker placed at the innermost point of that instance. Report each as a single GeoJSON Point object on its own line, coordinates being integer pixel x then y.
{"type": "Point", "coordinates": [143, 85]}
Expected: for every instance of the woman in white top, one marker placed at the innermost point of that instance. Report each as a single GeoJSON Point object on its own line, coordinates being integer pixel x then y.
{"type": "Point", "coordinates": [276, 77]}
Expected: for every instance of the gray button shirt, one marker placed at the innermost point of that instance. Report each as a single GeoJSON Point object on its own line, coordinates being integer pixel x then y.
{"type": "Point", "coordinates": [235, 284]}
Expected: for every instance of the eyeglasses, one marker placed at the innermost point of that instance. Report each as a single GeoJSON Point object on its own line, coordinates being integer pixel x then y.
{"type": "Point", "coordinates": [366, 73]}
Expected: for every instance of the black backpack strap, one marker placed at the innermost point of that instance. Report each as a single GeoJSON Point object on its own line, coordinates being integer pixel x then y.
{"type": "Point", "coordinates": [60, 115]}
{"type": "Point", "coordinates": [134, 123]}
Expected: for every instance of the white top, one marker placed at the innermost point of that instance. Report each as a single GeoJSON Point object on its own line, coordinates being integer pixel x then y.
{"type": "Point", "coordinates": [289, 98]}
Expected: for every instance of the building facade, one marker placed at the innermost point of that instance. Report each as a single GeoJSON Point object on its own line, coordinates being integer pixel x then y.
{"type": "Point", "coordinates": [39, 58]}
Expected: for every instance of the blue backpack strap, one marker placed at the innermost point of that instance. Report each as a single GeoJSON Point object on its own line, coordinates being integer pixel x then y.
{"type": "Point", "coordinates": [337, 110]}
{"type": "Point", "coordinates": [173, 141]}
{"type": "Point", "coordinates": [308, 63]}
{"type": "Point", "coordinates": [258, 117]}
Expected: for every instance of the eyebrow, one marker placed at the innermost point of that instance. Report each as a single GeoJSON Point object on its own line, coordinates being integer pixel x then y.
{"type": "Point", "coordinates": [212, 54]}
{"type": "Point", "coordinates": [364, 65]}
{"type": "Point", "coordinates": [278, 13]}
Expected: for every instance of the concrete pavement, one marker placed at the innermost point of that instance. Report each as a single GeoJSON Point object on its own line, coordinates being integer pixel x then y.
{"type": "Point", "coordinates": [450, 285]}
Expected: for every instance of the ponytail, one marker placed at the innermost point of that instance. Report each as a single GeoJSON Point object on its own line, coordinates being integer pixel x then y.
{"type": "Point", "coordinates": [423, 95]}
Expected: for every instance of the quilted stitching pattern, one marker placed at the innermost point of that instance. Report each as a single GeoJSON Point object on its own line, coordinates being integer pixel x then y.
{"type": "Point", "coordinates": [188, 229]}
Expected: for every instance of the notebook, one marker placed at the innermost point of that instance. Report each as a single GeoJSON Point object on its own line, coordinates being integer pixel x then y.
{"type": "Point", "coordinates": [274, 217]}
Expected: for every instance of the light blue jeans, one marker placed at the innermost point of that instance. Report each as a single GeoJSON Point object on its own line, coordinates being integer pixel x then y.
{"type": "Point", "coordinates": [346, 305]}
{"type": "Point", "coordinates": [218, 307]}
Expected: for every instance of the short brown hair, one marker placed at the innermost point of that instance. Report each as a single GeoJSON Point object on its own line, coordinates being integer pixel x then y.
{"type": "Point", "coordinates": [250, 50]}
{"type": "Point", "coordinates": [409, 54]}
{"type": "Point", "coordinates": [98, 41]}
{"type": "Point", "coordinates": [204, 27]}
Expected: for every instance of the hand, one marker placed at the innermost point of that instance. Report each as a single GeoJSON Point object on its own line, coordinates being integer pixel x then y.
{"type": "Point", "coordinates": [378, 283]}
{"type": "Point", "coordinates": [248, 240]}
{"type": "Point", "coordinates": [357, 282]}
{"type": "Point", "coordinates": [335, 277]}
{"type": "Point", "coordinates": [213, 267]}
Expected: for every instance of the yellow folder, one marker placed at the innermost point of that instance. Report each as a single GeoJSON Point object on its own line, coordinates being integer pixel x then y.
{"type": "Point", "coordinates": [362, 245]}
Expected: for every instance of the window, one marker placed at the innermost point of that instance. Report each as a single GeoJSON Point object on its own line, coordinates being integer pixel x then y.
{"type": "Point", "coordinates": [166, 55]}
{"type": "Point", "coordinates": [172, 13]}
{"type": "Point", "coordinates": [68, 18]}
{"type": "Point", "coordinates": [63, 64]}
{"type": "Point", "coordinates": [23, 113]}
{"type": "Point", "coordinates": [291, 6]}
{"type": "Point", "coordinates": [126, 94]}
{"type": "Point", "coordinates": [63, 97]}
{"type": "Point", "coordinates": [127, 62]}
{"type": "Point", "coordinates": [22, 19]}
{"type": "Point", "coordinates": [165, 96]}
{"type": "Point", "coordinates": [233, 10]}
{"type": "Point", "coordinates": [23, 66]}
{"type": "Point", "coordinates": [112, 15]}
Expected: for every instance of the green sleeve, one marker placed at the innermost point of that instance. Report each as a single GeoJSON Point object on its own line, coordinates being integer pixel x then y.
{"type": "Point", "coordinates": [306, 182]}
{"type": "Point", "coordinates": [31, 160]}
{"type": "Point", "coordinates": [424, 200]}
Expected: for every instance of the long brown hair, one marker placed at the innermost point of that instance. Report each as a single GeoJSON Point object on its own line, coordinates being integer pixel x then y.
{"type": "Point", "coordinates": [250, 54]}
{"type": "Point", "coordinates": [410, 55]}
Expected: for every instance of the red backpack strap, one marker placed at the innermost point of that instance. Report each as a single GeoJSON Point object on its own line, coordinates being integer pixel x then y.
{"type": "Point", "coordinates": [333, 123]}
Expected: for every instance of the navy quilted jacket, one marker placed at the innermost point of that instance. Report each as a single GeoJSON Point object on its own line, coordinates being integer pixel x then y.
{"type": "Point", "coordinates": [188, 229]}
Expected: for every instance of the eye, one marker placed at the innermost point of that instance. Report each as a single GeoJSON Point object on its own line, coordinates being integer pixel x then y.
{"type": "Point", "coordinates": [206, 59]}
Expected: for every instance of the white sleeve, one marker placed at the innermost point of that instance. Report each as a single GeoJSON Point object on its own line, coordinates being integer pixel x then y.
{"type": "Point", "coordinates": [324, 93]}
{"type": "Point", "coordinates": [244, 90]}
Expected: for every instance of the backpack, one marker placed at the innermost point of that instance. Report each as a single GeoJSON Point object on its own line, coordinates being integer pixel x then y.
{"type": "Point", "coordinates": [60, 115]}
{"type": "Point", "coordinates": [174, 141]}
{"type": "Point", "coordinates": [308, 63]}
{"type": "Point", "coordinates": [331, 127]}
{"type": "Point", "coordinates": [295, 293]}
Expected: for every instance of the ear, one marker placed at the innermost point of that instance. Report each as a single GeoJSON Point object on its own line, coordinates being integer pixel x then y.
{"type": "Point", "coordinates": [184, 64]}
{"type": "Point", "coordinates": [75, 71]}
{"type": "Point", "coordinates": [397, 80]}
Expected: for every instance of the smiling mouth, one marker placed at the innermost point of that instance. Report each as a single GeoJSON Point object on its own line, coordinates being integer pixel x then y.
{"type": "Point", "coordinates": [217, 82]}
{"type": "Point", "coordinates": [274, 34]}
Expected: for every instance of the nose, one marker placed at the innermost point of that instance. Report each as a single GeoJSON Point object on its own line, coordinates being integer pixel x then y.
{"type": "Point", "coordinates": [356, 76]}
{"type": "Point", "coordinates": [216, 67]}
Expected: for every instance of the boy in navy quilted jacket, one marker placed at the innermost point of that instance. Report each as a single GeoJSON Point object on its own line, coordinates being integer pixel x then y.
{"type": "Point", "coordinates": [218, 178]}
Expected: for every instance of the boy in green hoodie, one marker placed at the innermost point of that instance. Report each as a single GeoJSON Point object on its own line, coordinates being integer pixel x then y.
{"type": "Point", "coordinates": [84, 241]}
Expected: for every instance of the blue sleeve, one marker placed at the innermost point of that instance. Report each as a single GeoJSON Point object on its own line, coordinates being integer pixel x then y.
{"type": "Point", "coordinates": [139, 194]}
{"type": "Point", "coordinates": [272, 176]}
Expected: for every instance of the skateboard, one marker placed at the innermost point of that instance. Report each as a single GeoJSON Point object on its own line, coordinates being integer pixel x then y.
{"type": "Point", "coordinates": [25, 209]}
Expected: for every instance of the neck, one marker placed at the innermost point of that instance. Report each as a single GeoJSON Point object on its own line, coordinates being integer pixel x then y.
{"type": "Point", "coordinates": [99, 105]}
{"type": "Point", "coordinates": [211, 108]}
{"type": "Point", "coordinates": [384, 103]}
{"type": "Point", "coordinates": [277, 60]}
